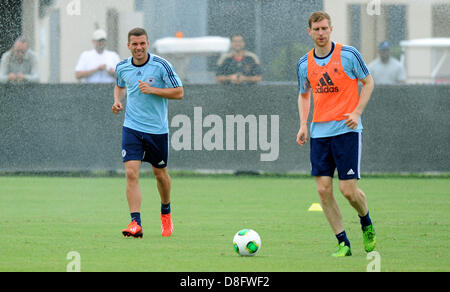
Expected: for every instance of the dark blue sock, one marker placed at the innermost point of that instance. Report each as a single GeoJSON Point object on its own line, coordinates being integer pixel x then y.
{"type": "Point", "coordinates": [136, 217]}
{"type": "Point", "coordinates": [342, 237]}
{"type": "Point", "coordinates": [165, 209]}
{"type": "Point", "coordinates": [365, 221]}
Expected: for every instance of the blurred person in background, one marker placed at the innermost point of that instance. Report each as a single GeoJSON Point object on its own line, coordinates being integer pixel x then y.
{"type": "Point", "coordinates": [238, 66]}
{"type": "Point", "coordinates": [97, 65]}
{"type": "Point", "coordinates": [19, 64]}
{"type": "Point", "coordinates": [386, 69]}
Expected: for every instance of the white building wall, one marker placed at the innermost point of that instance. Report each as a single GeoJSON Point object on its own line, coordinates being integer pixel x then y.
{"type": "Point", "coordinates": [373, 27]}
{"type": "Point", "coordinates": [419, 15]}
{"type": "Point", "coordinates": [78, 19]}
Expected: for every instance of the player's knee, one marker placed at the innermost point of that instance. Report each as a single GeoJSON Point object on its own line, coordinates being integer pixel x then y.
{"type": "Point", "coordinates": [325, 192]}
{"type": "Point", "coordinates": [161, 175]}
{"type": "Point", "coordinates": [132, 175]}
{"type": "Point", "coordinates": [349, 193]}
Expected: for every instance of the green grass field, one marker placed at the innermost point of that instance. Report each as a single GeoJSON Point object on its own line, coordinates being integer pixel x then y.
{"type": "Point", "coordinates": [42, 219]}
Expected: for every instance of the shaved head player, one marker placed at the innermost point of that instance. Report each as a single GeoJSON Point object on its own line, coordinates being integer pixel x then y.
{"type": "Point", "coordinates": [331, 71]}
{"type": "Point", "coordinates": [149, 81]}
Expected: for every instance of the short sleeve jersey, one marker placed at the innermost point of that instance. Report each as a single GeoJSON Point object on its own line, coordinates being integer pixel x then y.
{"type": "Point", "coordinates": [354, 67]}
{"type": "Point", "coordinates": [146, 112]}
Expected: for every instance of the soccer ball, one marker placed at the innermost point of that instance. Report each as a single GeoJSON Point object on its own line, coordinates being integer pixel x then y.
{"type": "Point", "coordinates": [247, 242]}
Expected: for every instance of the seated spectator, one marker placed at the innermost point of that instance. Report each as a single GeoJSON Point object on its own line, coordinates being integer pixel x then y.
{"type": "Point", "coordinates": [19, 64]}
{"type": "Point", "coordinates": [386, 69]}
{"type": "Point", "coordinates": [97, 65]}
{"type": "Point", "coordinates": [238, 66]}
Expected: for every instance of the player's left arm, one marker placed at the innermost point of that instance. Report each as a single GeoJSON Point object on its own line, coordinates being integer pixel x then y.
{"type": "Point", "coordinates": [174, 87]}
{"type": "Point", "coordinates": [364, 97]}
{"type": "Point", "coordinates": [169, 93]}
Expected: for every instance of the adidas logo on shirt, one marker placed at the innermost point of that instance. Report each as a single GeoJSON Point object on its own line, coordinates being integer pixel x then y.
{"type": "Point", "coordinates": [326, 85]}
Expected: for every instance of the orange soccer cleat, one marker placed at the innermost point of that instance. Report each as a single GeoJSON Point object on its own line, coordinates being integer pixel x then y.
{"type": "Point", "coordinates": [133, 230]}
{"type": "Point", "coordinates": [166, 225]}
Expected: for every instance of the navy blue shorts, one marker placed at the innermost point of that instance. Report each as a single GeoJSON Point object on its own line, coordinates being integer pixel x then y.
{"type": "Point", "coordinates": [152, 148]}
{"type": "Point", "coordinates": [342, 152]}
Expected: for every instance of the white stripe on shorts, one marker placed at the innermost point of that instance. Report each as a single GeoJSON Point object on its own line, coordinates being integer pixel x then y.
{"type": "Point", "coordinates": [359, 153]}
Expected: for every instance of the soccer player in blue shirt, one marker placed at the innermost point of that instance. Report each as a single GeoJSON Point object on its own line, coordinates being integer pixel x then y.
{"type": "Point", "coordinates": [149, 82]}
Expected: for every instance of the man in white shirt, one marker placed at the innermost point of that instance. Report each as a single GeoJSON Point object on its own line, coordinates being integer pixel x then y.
{"type": "Point", "coordinates": [386, 69]}
{"type": "Point", "coordinates": [97, 65]}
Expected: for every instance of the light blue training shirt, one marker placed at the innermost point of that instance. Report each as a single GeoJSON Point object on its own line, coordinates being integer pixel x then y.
{"type": "Point", "coordinates": [146, 112]}
{"type": "Point", "coordinates": [354, 66]}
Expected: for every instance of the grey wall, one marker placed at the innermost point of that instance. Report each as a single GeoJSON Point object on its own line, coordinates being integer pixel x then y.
{"type": "Point", "coordinates": [71, 127]}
